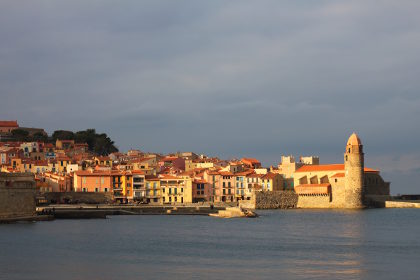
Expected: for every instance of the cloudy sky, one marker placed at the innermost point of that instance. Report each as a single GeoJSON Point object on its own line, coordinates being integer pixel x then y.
{"type": "Point", "coordinates": [226, 78]}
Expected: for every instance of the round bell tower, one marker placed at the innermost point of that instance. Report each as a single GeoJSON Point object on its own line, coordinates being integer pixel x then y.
{"type": "Point", "coordinates": [354, 173]}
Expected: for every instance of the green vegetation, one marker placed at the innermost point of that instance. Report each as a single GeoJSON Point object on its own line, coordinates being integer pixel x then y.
{"type": "Point", "coordinates": [99, 144]}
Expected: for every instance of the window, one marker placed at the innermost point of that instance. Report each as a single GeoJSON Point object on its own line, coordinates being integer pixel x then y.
{"type": "Point", "coordinates": [198, 192]}
{"type": "Point", "coordinates": [224, 184]}
{"type": "Point", "coordinates": [106, 189]}
{"type": "Point", "coordinates": [228, 184]}
{"type": "Point", "coordinates": [84, 190]}
{"type": "Point", "coordinates": [96, 190]}
{"type": "Point", "coordinates": [102, 180]}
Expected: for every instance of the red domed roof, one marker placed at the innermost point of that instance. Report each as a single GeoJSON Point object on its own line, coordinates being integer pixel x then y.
{"type": "Point", "coordinates": [354, 140]}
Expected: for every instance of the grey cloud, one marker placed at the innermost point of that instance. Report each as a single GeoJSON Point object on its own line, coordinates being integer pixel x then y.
{"type": "Point", "coordinates": [227, 78]}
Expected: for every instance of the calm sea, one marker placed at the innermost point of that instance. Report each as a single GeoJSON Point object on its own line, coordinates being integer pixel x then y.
{"type": "Point", "coordinates": [293, 244]}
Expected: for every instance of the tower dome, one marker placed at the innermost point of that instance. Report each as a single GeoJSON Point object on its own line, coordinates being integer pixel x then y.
{"type": "Point", "coordinates": [354, 140]}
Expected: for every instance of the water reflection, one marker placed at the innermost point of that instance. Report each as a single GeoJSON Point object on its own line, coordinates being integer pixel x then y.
{"type": "Point", "coordinates": [280, 244]}
{"type": "Point", "coordinates": [331, 246]}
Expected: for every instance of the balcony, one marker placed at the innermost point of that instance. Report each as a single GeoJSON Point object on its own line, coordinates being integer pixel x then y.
{"type": "Point", "coordinates": [118, 194]}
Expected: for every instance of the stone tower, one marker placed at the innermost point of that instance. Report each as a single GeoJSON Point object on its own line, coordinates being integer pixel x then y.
{"type": "Point", "coordinates": [354, 168]}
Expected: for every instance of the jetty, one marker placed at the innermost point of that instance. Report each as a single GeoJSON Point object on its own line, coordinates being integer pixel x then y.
{"type": "Point", "coordinates": [234, 212]}
{"type": "Point", "coordinates": [102, 211]}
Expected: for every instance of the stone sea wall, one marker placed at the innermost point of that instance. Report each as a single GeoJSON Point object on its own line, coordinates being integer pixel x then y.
{"type": "Point", "coordinates": [17, 195]}
{"type": "Point", "coordinates": [78, 197]}
{"type": "Point", "coordinates": [276, 200]}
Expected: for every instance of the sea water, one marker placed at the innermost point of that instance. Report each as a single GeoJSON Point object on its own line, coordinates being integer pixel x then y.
{"type": "Point", "coordinates": [280, 244]}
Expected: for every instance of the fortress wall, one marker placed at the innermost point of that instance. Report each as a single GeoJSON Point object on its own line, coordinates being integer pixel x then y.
{"type": "Point", "coordinates": [270, 200]}
{"type": "Point", "coordinates": [78, 197]}
{"type": "Point", "coordinates": [276, 200]}
{"type": "Point", "coordinates": [314, 201]}
{"type": "Point", "coordinates": [17, 195]}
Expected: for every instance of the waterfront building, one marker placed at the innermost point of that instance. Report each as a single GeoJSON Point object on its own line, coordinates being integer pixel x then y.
{"type": "Point", "coordinates": [242, 190]}
{"type": "Point", "coordinates": [288, 167]}
{"type": "Point", "coordinates": [271, 182]}
{"type": "Point", "coordinates": [94, 181]}
{"type": "Point", "coordinates": [201, 191]}
{"type": "Point", "coordinates": [176, 189]}
{"type": "Point", "coordinates": [347, 185]}
{"type": "Point", "coordinates": [227, 180]}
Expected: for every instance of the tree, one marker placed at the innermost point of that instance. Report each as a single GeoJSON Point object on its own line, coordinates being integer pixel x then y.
{"type": "Point", "coordinates": [40, 137]}
{"type": "Point", "coordinates": [62, 135]}
{"type": "Point", "coordinates": [100, 144]}
{"type": "Point", "coordinates": [20, 135]}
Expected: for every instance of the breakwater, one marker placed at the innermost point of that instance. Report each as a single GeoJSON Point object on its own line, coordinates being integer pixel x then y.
{"type": "Point", "coordinates": [101, 211]}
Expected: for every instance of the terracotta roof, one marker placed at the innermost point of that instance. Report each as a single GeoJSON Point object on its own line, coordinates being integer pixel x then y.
{"type": "Point", "coordinates": [338, 175]}
{"type": "Point", "coordinates": [200, 181]}
{"type": "Point", "coordinates": [225, 173]}
{"type": "Point", "coordinates": [270, 175]}
{"type": "Point", "coordinates": [9, 124]}
{"type": "Point", "coordinates": [328, 167]}
{"type": "Point", "coordinates": [137, 160]}
{"type": "Point", "coordinates": [166, 176]}
{"type": "Point", "coordinates": [169, 158]}
{"type": "Point", "coordinates": [152, 178]}
{"type": "Point", "coordinates": [255, 175]}
{"type": "Point", "coordinates": [250, 160]}
{"type": "Point", "coordinates": [244, 173]}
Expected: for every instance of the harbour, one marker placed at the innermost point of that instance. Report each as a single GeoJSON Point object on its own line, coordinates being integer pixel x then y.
{"type": "Point", "coordinates": [287, 244]}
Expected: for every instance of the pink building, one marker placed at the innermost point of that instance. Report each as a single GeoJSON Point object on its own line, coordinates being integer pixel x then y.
{"type": "Point", "coordinates": [201, 191]}
{"type": "Point", "coordinates": [222, 184]}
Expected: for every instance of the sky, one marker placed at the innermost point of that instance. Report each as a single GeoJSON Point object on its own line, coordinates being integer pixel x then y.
{"type": "Point", "coordinates": [225, 78]}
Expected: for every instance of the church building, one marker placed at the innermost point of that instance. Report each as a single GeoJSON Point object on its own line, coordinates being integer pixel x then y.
{"type": "Point", "coordinates": [348, 185]}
